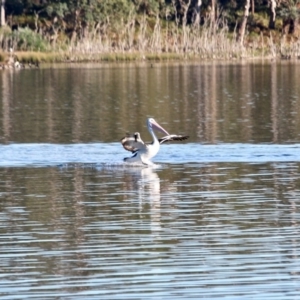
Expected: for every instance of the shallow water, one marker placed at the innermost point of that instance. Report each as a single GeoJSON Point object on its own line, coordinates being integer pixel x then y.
{"type": "Point", "coordinates": [215, 217]}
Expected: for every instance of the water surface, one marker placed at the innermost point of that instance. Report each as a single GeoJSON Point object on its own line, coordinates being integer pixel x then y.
{"type": "Point", "coordinates": [243, 102]}
{"type": "Point", "coordinates": [216, 217]}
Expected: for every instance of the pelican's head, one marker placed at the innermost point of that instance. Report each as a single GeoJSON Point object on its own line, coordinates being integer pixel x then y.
{"type": "Point", "coordinates": [152, 124]}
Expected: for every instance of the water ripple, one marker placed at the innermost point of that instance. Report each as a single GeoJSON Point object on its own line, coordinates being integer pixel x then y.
{"type": "Point", "coordinates": [205, 230]}
{"type": "Point", "coordinates": [111, 155]}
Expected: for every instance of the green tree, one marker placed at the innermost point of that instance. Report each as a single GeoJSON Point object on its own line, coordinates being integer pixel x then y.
{"type": "Point", "coordinates": [290, 12]}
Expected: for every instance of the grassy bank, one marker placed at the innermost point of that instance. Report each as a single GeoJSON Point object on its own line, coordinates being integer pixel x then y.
{"type": "Point", "coordinates": [156, 41]}
{"type": "Point", "coordinates": [35, 57]}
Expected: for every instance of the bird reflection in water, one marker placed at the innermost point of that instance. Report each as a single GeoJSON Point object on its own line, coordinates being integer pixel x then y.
{"type": "Point", "coordinates": [149, 191]}
{"type": "Point", "coordinates": [146, 183]}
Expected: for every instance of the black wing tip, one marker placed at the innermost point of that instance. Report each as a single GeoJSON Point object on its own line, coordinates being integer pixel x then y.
{"type": "Point", "coordinates": [181, 137]}
{"type": "Point", "coordinates": [173, 137]}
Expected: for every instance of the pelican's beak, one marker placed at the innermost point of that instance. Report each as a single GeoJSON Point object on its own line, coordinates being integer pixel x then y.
{"type": "Point", "coordinates": [156, 126]}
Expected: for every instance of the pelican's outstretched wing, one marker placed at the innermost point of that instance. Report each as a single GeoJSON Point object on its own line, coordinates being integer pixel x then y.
{"type": "Point", "coordinates": [133, 142]}
{"type": "Point", "coordinates": [172, 137]}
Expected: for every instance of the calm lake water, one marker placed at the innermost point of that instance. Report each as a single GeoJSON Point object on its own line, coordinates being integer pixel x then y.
{"type": "Point", "coordinates": [217, 217]}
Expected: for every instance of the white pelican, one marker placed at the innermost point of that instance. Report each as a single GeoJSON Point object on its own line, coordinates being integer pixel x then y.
{"type": "Point", "coordinates": [143, 152]}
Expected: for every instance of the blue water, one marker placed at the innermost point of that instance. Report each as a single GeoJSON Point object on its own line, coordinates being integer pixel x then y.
{"type": "Point", "coordinates": [182, 231]}
{"type": "Point", "coordinates": [21, 155]}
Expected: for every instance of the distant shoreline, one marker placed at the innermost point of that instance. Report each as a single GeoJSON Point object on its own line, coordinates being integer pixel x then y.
{"type": "Point", "coordinates": [33, 58]}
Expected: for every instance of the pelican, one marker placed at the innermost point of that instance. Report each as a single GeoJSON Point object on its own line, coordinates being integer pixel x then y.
{"type": "Point", "coordinates": [143, 152]}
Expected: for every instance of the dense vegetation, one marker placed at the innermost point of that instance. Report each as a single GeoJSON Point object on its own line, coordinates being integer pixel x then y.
{"type": "Point", "coordinates": [139, 29]}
